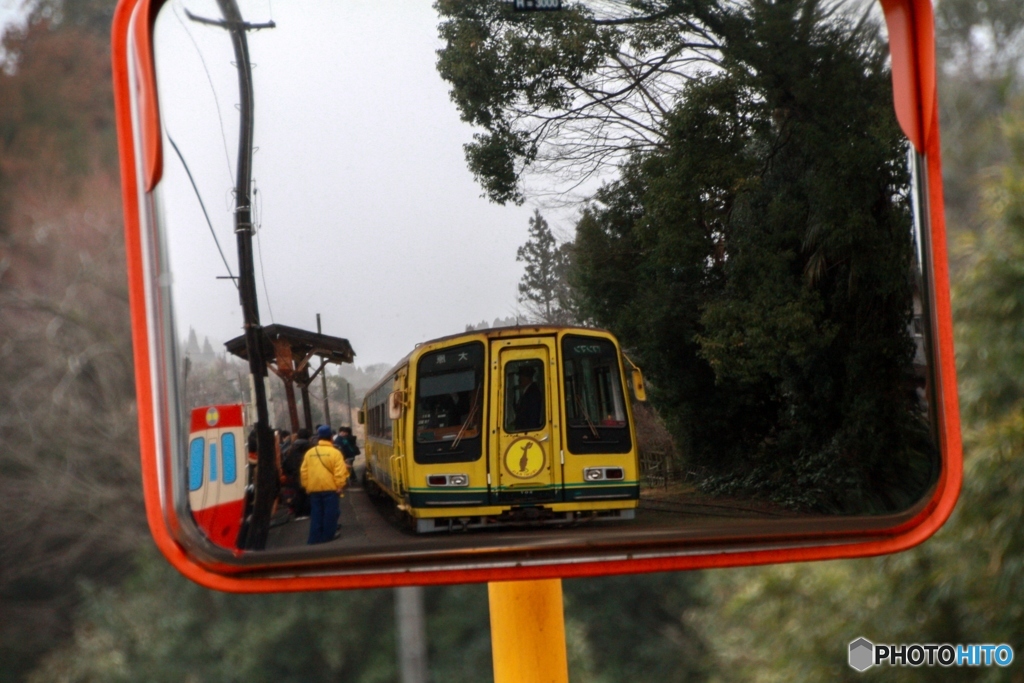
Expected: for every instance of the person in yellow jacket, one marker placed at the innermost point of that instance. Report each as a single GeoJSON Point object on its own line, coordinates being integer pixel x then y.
{"type": "Point", "coordinates": [323, 474]}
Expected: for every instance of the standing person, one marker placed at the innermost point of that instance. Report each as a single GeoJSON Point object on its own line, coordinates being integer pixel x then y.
{"type": "Point", "coordinates": [346, 443]}
{"type": "Point", "coordinates": [282, 437]}
{"type": "Point", "coordinates": [291, 462]}
{"type": "Point", "coordinates": [530, 406]}
{"type": "Point", "coordinates": [323, 475]}
{"type": "Point", "coordinates": [251, 455]}
{"type": "Point", "coordinates": [252, 458]}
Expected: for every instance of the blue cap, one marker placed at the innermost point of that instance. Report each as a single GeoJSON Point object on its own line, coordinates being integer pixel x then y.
{"type": "Point", "coordinates": [324, 432]}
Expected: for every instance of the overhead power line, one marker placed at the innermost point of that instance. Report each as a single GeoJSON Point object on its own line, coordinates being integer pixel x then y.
{"type": "Point", "coordinates": [203, 206]}
{"type": "Point", "coordinates": [209, 79]}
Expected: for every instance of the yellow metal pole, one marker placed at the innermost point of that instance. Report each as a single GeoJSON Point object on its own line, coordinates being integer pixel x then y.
{"type": "Point", "coordinates": [528, 632]}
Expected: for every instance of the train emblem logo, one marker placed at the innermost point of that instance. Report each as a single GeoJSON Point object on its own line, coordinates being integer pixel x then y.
{"type": "Point", "coordinates": [524, 458]}
{"type": "Point", "coordinates": [212, 417]}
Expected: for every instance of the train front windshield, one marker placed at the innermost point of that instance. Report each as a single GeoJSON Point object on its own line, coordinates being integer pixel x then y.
{"type": "Point", "coordinates": [449, 394]}
{"type": "Point", "coordinates": [595, 407]}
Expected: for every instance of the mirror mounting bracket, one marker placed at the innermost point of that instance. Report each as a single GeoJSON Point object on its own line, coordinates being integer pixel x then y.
{"type": "Point", "coordinates": [224, 23]}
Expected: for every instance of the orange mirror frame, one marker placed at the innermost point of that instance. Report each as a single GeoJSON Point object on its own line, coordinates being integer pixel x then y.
{"type": "Point", "coordinates": [912, 47]}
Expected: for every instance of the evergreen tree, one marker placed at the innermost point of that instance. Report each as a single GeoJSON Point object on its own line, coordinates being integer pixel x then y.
{"type": "Point", "coordinates": [544, 287]}
{"type": "Point", "coordinates": [760, 267]}
{"type": "Point", "coordinates": [755, 251]}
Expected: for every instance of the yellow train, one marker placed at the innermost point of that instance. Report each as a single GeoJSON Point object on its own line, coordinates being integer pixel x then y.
{"type": "Point", "coordinates": [507, 425]}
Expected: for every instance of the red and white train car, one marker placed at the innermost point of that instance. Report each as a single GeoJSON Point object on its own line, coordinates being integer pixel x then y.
{"type": "Point", "coordinates": [217, 471]}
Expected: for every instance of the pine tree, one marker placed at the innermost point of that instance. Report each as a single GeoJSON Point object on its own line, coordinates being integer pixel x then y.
{"type": "Point", "coordinates": [543, 287]}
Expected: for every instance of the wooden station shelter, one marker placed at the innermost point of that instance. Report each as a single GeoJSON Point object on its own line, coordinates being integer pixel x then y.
{"type": "Point", "coordinates": [288, 351]}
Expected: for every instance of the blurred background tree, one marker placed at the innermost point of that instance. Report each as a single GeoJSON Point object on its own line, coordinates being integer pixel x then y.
{"type": "Point", "coordinates": [69, 494]}
{"type": "Point", "coordinates": [961, 586]}
{"type": "Point", "coordinates": [84, 597]}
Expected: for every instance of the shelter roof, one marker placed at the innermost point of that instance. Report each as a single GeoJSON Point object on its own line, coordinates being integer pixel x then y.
{"type": "Point", "coordinates": [302, 342]}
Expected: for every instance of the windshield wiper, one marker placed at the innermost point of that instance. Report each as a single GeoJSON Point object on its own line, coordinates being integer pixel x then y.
{"type": "Point", "coordinates": [469, 418]}
{"type": "Point", "coordinates": [583, 411]}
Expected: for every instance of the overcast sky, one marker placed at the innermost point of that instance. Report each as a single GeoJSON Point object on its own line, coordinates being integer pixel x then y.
{"type": "Point", "coordinates": [367, 212]}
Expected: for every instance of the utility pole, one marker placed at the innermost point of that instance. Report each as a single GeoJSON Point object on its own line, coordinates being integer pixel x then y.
{"type": "Point", "coordinates": [348, 402]}
{"type": "Point", "coordinates": [412, 634]}
{"type": "Point", "coordinates": [266, 461]}
{"type": "Point", "coordinates": [323, 378]}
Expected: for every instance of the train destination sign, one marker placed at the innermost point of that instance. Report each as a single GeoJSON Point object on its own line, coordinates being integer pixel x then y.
{"type": "Point", "coordinates": [719, 274]}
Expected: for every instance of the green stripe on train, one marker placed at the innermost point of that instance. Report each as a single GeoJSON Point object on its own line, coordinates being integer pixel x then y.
{"type": "Point", "coordinates": [472, 489]}
{"type": "Point", "coordinates": [432, 498]}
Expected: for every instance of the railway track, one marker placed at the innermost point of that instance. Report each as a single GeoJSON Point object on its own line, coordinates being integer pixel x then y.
{"type": "Point", "coordinates": [709, 509]}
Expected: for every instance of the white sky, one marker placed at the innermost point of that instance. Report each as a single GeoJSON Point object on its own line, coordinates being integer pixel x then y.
{"type": "Point", "coordinates": [369, 215]}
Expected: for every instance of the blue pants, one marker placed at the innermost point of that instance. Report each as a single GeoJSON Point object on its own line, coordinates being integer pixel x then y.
{"type": "Point", "coordinates": [323, 516]}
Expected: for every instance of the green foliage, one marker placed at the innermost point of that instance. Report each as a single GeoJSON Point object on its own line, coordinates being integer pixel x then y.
{"type": "Point", "coordinates": [793, 622]}
{"type": "Point", "coordinates": [759, 267]}
{"type": "Point", "coordinates": [990, 301]}
{"type": "Point", "coordinates": [634, 628]}
{"type": "Point", "coordinates": [516, 75]}
{"type": "Point", "coordinates": [544, 287]}
{"type": "Point", "coordinates": [988, 313]}
{"type": "Point", "coordinates": [755, 251]}
{"type": "Point", "coordinates": [504, 66]}
{"type": "Point", "coordinates": [160, 627]}
{"type": "Point", "coordinates": [157, 626]}
{"type": "Point", "coordinates": [979, 46]}
{"type": "Point", "coordinates": [458, 634]}
{"type": "Point", "coordinates": [492, 158]}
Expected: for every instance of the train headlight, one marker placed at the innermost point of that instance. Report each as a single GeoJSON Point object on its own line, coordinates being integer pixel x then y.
{"type": "Point", "coordinates": [448, 480]}
{"type": "Point", "coordinates": [603, 474]}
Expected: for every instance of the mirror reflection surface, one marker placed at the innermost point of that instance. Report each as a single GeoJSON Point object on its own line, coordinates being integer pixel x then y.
{"type": "Point", "coordinates": [617, 272]}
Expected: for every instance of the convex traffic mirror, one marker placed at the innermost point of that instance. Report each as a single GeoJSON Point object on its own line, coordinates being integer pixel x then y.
{"type": "Point", "coordinates": [731, 343]}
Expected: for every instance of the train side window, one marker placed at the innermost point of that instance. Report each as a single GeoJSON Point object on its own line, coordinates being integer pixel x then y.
{"type": "Point", "coordinates": [387, 419]}
{"type": "Point", "coordinates": [196, 449]}
{"type": "Point", "coordinates": [213, 461]}
{"type": "Point", "coordinates": [227, 454]}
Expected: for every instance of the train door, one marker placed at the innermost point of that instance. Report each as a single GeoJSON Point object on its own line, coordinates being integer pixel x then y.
{"type": "Point", "coordinates": [396, 414]}
{"type": "Point", "coordinates": [524, 448]}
